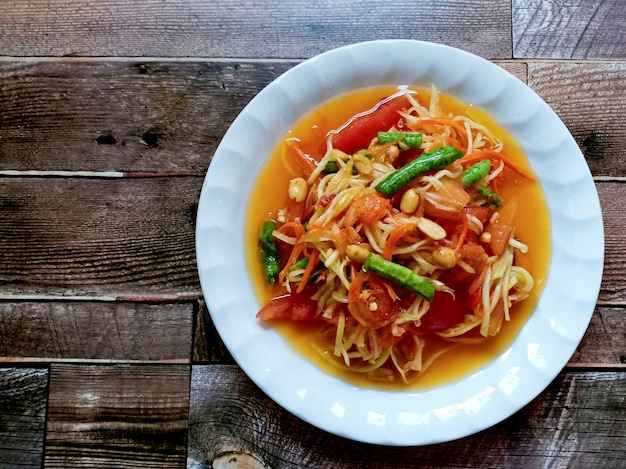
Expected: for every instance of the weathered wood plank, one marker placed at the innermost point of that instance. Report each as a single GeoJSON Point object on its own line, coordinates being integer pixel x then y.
{"type": "Point", "coordinates": [221, 28]}
{"type": "Point", "coordinates": [56, 331]}
{"type": "Point", "coordinates": [121, 116]}
{"type": "Point", "coordinates": [126, 116]}
{"type": "Point", "coordinates": [207, 345]}
{"type": "Point", "coordinates": [613, 201]}
{"type": "Point", "coordinates": [578, 29]}
{"type": "Point", "coordinates": [517, 68]}
{"type": "Point", "coordinates": [604, 342]}
{"type": "Point", "coordinates": [590, 98]}
{"type": "Point", "coordinates": [117, 416]}
{"type": "Point", "coordinates": [126, 238]}
{"type": "Point", "coordinates": [23, 393]}
{"type": "Point", "coordinates": [577, 412]}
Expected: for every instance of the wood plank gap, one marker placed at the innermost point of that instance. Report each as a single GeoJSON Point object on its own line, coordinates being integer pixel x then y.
{"type": "Point", "coordinates": [567, 61]}
{"type": "Point", "coordinates": [99, 174]}
{"type": "Point", "coordinates": [45, 361]}
{"type": "Point", "coordinates": [609, 178]}
{"type": "Point", "coordinates": [43, 59]}
{"type": "Point", "coordinates": [594, 367]}
{"type": "Point", "coordinates": [611, 304]}
{"type": "Point", "coordinates": [144, 174]}
{"type": "Point", "coordinates": [183, 297]}
{"type": "Point", "coordinates": [81, 174]}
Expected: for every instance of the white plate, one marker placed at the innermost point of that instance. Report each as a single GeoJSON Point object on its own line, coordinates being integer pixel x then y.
{"type": "Point", "coordinates": [545, 343]}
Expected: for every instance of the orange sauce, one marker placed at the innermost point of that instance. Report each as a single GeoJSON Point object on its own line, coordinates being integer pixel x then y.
{"type": "Point", "coordinates": [532, 228]}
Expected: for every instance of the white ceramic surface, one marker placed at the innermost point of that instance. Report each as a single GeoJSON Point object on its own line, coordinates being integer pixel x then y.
{"type": "Point", "coordinates": [447, 412]}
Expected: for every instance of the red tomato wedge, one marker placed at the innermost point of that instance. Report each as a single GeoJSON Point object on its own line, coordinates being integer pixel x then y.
{"type": "Point", "coordinates": [292, 306]}
{"type": "Point", "coordinates": [369, 301]}
{"type": "Point", "coordinates": [447, 201]}
{"type": "Point", "coordinates": [445, 311]}
{"type": "Point", "coordinates": [501, 228]}
{"type": "Point", "coordinates": [359, 132]}
{"type": "Point", "coordinates": [482, 212]}
{"type": "Point", "coordinates": [475, 256]}
{"type": "Point", "coordinates": [367, 209]}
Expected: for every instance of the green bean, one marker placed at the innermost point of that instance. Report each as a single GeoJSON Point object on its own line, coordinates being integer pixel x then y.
{"type": "Point", "coordinates": [475, 173]}
{"type": "Point", "coordinates": [400, 275]}
{"type": "Point", "coordinates": [493, 198]}
{"type": "Point", "coordinates": [435, 159]}
{"type": "Point", "coordinates": [330, 167]}
{"type": "Point", "coordinates": [405, 140]}
{"type": "Point", "coordinates": [302, 263]}
{"type": "Point", "coordinates": [269, 253]}
{"type": "Point", "coordinates": [367, 154]}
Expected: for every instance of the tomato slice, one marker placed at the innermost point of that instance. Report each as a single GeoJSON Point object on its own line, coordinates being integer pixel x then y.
{"type": "Point", "coordinates": [447, 201]}
{"type": "Point", "coordinates": [292, 306]}
{"type": "Point", "coordinates": [359, 132]}
{"type": "Point", "coordinates": [368, 209]}
{"type": "Point", "coordinates": [445, 311]}
{"type": "Point", "coordinates": [501, 228]}
{"type": "Point", "coordinates": [370, 302]}
{"type": "Point", "coordinates": [476, 257]}
{"type": "Point", "coordinates": [482, 212]}
{"type": "Point", "coordinates": [385, 336]}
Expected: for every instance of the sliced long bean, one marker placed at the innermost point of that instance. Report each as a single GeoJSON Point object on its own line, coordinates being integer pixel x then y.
{"type": "Point", "coordinates": [475, 173]}
{"type": "Point", "coordinates": [405, 140]}
{"type": "Point", "coordinates": [330, 167]}
{"type": "Point", "coordinates": [493, 198]}
{"type": "Point", "coordinates": [435, 159]}
{"type": "Point", "coordinates": [269, 253]}
{"type": "Point", "coordinates": [401, 275]}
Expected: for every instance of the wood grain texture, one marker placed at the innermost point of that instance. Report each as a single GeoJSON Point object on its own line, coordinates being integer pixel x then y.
{"type": "Point", "coordinates": [122, 116]}
{"type": "Point", "coordinates": [127, 238]}
{"type": "Point", "coordinates": [23, 395]}
{"type": "Point", "coordinates": [207, 345]}
{"type": "Point", "coordinates": [613, 201]}
{"type": "Point", "coordinates": [517, 68]}
{"type": "Point", "coordinates": [57, 331]}
{"type": "Point", "coordinates": [117, 416]}
{"type": "Point", "coordinates": [575, 29]}
{"type": "Point", "coordinates": [577, 412]}
{"type": "Point", "coordinates": [590, 98]}
{"type": "Point", "coordinates": [226, 28]}
{"type": "Point", "coordinates": [604, 342]}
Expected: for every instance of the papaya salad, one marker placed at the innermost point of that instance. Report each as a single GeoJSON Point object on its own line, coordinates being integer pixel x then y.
{"type": "Point", "coordinates": [397, 235]}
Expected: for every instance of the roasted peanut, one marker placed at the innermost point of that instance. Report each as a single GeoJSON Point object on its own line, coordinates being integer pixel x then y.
{"type": "Point", "coordinates": [298, 189]}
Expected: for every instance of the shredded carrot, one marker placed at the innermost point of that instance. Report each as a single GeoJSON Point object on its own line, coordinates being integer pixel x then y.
{"type": "Point", "coordinates": [393, 239]}
{"type": "Point", "coordinates": [306, 162]}
{"type": "Point", "coordinates": [460, 130]}
{"type": "Point", "coordinates": [293, 257]}
{"type": "Point", "coordinates": [494, 157]}
{"type": "Point", "coordinates": [392, 293]}
{"type": "Point", "coordinates": [457, 144]}
{"type": "Point", "coordinates": [298, 231]}
{"type": "Point", "coordinates": [463, 233]}
{"type": "Point", "coordinates": [411, 239]}
{"type": "Point", "coordinates": [313, 260]}
{"type": "Point", "coordinates": [478, 281]}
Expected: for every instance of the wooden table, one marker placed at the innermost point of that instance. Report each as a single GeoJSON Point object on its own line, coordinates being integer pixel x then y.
{"type": "Point", "coordinates": [109, 115]}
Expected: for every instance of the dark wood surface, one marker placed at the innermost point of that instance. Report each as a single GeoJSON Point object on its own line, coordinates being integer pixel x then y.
{"type": "Point", "coordinates": [109, 115]}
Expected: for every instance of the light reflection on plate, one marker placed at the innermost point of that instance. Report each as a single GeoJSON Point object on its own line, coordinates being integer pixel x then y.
{"type": "Point", "coordinates": [451, 411]}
